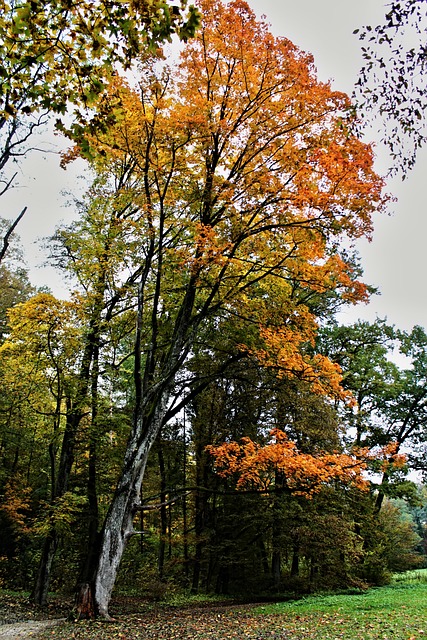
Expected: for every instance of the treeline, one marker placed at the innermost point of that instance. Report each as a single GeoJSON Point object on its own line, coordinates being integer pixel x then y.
{"type": "Point", "coordinates": [192, 407]}
{"type": "Point", "coordinates": [196, 530]}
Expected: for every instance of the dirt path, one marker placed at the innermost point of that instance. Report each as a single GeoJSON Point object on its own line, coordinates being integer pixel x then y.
{"type": "Point", "coordinates": [29, 629]}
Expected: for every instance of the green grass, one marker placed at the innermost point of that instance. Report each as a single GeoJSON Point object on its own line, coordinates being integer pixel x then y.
{"type": "Point", "coordinates": [397, 611]}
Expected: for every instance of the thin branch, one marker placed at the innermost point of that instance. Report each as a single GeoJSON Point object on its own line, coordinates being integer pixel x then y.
{"type": "Point", "coordinates": [9, 233]}
{"type": "Point", "coordinates": [159, 505]}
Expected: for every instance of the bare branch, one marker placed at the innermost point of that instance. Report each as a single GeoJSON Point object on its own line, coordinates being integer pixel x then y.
{"type": "Point", "coordinates": [9, 233]}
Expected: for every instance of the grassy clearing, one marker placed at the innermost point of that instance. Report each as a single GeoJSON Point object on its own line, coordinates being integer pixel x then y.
{"type": "Point", "coordinates": [396, 612]}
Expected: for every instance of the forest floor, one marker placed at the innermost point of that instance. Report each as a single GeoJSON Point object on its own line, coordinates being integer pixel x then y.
{"type": "Point", "coordinates": [25, 630]}
{"type": "Point", "coordinates": [20, 619]}
{"type": "Point", "coordinates": [396, 612]}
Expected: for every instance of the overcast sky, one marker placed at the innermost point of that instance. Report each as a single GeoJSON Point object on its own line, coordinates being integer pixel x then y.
{"type": "Point", "coordinates": [395, 261]}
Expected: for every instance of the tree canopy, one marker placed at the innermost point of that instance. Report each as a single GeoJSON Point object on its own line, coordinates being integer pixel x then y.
{"type": "Point", "coordinates": [58, 55]}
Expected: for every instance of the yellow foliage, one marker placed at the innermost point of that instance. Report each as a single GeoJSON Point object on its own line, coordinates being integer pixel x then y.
{"type": "Point", "coordinates": [62, 514]}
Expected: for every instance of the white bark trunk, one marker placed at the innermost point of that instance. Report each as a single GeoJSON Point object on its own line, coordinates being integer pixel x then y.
{"type": "Point", "coordinates": [118, 526]}
{"type": "Point", "coordinates": [117, 529]}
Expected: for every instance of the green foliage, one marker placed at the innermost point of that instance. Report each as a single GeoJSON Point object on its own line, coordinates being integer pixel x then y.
{"type": "Point", "coordinates": [411, 577]}
{"type": "Point", "coordinates": [390, 544]}
{"type": "Point", "coordinates": [58, 55]}
{"type": "Point", "coordinates": [55, 53]}
{"type": "Point", "coordinates": [62, 514]}
{"type": "Point", "coordinates": [390, 399]}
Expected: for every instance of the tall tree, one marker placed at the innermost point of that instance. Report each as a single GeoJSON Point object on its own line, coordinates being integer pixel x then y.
{"type": "Point", "coordinates": [248, 177]}
{"type": "Point", "coordinates": [362, 350]}
{"type": "Point", "coordinates": [95, 251]}
{"type": "Point", "coordinates": [405, 407]}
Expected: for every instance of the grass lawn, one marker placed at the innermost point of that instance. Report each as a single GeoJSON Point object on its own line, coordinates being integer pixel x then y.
{"type": "Point", "coordinates": [397, 612]}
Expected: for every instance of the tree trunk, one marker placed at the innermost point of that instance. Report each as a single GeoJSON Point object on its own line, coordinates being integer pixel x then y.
{"type": "Point", "coordinates": [151, 403]}
{"type": "Point", "coordinates": [295, 562]}
{"type": "Point", "coordinates": [74, 416]}
{"type": "Point", "coordinates": [222, 581]}
{"type": "Point", "coordinates": [276, 563]}
{"type": "Point", "coordinates": [198, 552]}
{"type": "Point", "coordinates": [379, 501]}
{"type": "Point", "coordinates": [118, 525]}
{"type": "Point", "coordinates": [117, 530]}
{"type": "Point", "coordinates": [264, 556]}
{"type": "Point", "coordinates": [41, 585]}
{"type": "Point", "coordinates": [84, 606]}
{"type": "Point", "coordinates": [276, 557]}
{"type": "Point", "coordinates": [85, 602]}
{"type": "Point", "coordinates": [199, 518]}
{"type": "Point", "coordinates": [184, 506]}
{"type": "Point", "coordinates": [202, 435]}
{"type": "Point", "coordinates": [163, 513]}
{"type": "Point", "coordinates": [381, 493]}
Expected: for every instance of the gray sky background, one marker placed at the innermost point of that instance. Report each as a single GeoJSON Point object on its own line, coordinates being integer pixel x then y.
{"type": "Point", "coordinates": [395, 261]}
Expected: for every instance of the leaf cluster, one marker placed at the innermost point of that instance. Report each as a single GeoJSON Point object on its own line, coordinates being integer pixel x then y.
{"type": "Point", "coordinates": [392, 79]}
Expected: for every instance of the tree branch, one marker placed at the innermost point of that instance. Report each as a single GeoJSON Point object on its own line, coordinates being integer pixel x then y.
{"type": "Point", "coordinates": [9, 233]}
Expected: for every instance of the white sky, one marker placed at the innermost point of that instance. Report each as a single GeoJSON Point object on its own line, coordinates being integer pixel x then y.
{"type": "Point", "coordinates": [395, 261]}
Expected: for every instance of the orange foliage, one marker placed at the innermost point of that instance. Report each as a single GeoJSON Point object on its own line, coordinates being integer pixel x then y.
{"type": "Point", "coordinates": [386, 457]}
{"type": "Point", "coordinates": [247, 175]}
{"type": "Point", "coordinates": [257, 466]}
{"type": "Point", "coordinates": [284, 350]}
{"type": "Point", "coordinates": [303, 474]}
